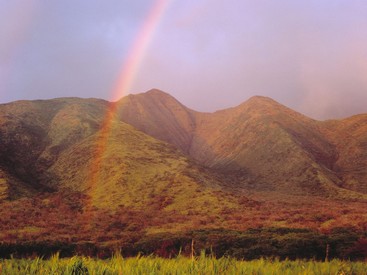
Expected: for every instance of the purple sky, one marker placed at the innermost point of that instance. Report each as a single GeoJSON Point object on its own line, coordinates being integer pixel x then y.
{"type": "Point", "coordinates": [310, 55]}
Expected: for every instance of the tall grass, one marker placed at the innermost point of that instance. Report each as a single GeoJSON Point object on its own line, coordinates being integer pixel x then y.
{"type": "Point", "coordinates": [181, 265]}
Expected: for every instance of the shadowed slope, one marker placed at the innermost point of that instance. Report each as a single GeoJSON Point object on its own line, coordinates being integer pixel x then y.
{"type": "Point", "coordinates": [33, 133]}
{"type": "Point", "coordinates": [350, 138]}
{"type": "Point", "coordinates": [274, 145]}
{"type": "Point", "coordinates": [12, 187]}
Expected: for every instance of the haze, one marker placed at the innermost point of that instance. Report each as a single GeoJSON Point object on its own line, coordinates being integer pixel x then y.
{"type": "Point", "coordinates": [310, 55]}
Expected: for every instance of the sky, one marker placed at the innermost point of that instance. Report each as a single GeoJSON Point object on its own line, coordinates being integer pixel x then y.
{"type": "Point", "coordinates": [310, 55]}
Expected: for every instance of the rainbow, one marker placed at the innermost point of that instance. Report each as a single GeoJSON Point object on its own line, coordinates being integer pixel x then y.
{"type": "Point", "coordinates": [124, 83]}
{"type": "Point", "coordinates": [138, 49]}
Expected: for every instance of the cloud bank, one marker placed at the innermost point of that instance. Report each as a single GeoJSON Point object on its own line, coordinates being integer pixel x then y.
{"type": "Point", "coordinates": [309, 55]}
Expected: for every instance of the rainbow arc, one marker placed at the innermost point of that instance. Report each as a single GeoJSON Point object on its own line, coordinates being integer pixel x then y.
{"type": "Point", "coordinates": [124, 83]}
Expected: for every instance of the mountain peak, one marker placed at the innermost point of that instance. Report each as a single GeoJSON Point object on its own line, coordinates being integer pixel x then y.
{"type": "Point", "coordinates": [156, 92]}
{"type": "Point", "coordinates": [152, 98]}
{"type": "Point", "coordinates": [257, 99]}
{"type": "Point", "coordinates": [262, 104]}
{"type": "Point", "coordinates": [153, 95]}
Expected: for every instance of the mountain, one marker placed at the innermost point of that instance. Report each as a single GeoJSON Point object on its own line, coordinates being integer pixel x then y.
{"type": "Point", "coordinates": [273, 146]}
{"type": "Point", "coordinates": [63, 146]}
{"type": "Point", "coordinates": [78, 170]}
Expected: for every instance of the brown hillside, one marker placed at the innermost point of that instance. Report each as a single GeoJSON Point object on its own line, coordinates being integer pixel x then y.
{"type": "Point", "coordinates": [271, 145]}
{"type": "Point", "coordinates": [350, 138]}
{"type": "Point", "coordinates": [274, 145]}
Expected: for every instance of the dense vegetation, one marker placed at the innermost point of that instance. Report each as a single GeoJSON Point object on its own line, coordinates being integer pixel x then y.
{"type": "Point", "coordinates": [180, 265]}
{"type": "Point", "coordinates": [282, 243]}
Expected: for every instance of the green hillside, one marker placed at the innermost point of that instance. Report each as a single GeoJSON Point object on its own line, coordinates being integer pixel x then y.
{"type": "Point", "coordinates": [89, 173]}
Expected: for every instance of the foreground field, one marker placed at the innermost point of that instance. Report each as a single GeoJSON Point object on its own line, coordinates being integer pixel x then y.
{"type": "Point", "coordinates": [180, 265]}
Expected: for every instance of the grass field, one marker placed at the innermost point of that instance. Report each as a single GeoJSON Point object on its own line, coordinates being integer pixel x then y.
{"type": "Point", "coordinates": [180, 265]}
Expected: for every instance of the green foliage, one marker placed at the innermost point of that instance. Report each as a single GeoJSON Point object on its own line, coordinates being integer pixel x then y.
{"type": "Point", "coordinates": [79, 268]}
{"type": "Point", "coordinates": [180, 265]}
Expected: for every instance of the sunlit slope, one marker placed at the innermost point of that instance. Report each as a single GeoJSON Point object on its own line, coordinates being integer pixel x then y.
{"type": "Point", "coordinates": [137, 171]}
{"type": "Point", "coordinates": [160, 115]}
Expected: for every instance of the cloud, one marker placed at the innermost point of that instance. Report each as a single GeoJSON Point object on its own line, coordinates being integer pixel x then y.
{"type": "Point", "coordinates": [298, 52]}
{"type": "Point", "coordinates": [210, 54]}
{"type": "Point", "coordinates": [71, 49]}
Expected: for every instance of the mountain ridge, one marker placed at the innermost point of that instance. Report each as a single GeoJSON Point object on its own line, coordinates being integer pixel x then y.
{"type": "Point", "coordinates": [214, 138]}
{"type": "Point", "coordinates": [226, 139]}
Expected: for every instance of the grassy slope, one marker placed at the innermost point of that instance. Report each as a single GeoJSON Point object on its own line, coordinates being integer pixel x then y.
{"type": "Point", "coordinates": [141, 173]}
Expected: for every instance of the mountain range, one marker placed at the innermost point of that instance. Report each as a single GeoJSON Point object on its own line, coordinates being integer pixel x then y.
{"type": "Point", "coordinates": [74, 169]}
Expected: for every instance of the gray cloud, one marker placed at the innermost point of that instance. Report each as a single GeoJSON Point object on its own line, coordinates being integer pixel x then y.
{"type": "Point", "coordinates": [210, 54]}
